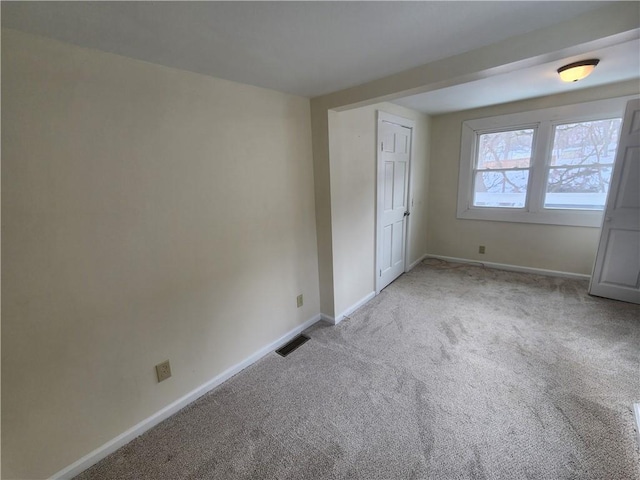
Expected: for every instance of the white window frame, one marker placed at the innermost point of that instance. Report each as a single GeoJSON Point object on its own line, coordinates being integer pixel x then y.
{"type": "Point", "coordinates": [543, 122]}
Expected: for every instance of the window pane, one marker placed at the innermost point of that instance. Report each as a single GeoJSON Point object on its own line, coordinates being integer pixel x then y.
{"type": "Point", "coordinates": [505, 149]}
{"type": "Point", "coordinates": [500, 189]}
{"type": "Point", "coordinates": [586, 143]}
{"type": "Point", "coordinates": [581, 188]}
{"type": "Point", "coordinates": [590, 147]}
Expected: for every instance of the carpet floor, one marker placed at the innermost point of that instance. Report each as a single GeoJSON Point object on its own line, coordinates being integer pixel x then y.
{"type": "Point", "coordinates": [452, 372]}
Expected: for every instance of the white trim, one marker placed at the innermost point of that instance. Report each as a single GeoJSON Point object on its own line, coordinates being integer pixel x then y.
{"type": "Point", "coordinates": [415, 264]}
{"type": "Point", "coordinates": [543, 122]}
{"type": "Point", "coordinates": [410, 124]}
{"type": "Point", "coordinates": [348, 311]}
{"type": "Point", "coordinates": [636, 414]}
{"type": "Point", "coordinates": [327, 318]}
{"type": "Point", "coordinates": [513, 268]}
{"type": "Point", "coordinates": [112, 445]}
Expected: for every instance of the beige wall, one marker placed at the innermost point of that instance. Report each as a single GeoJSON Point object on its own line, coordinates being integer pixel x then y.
{"type": "Point", "coordinates": [597, 29]}
{"type": "Point", "coordinates": [151, 213]}
{"type": "Point", "coordinates": [322, 196]}
{"type": "Point", "coordinates": [567, 249]}
{"type": "Point", "coordinates": [353, 184]}
{"type": "Point", "coordinates": [148, 214]}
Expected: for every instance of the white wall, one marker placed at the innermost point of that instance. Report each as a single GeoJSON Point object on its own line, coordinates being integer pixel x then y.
{"type": "Point", "coordinates": [567, 249]}
{"type": "Point", "coordinates": [148, 214]}
{"type": "Point", "coordinates": [353, 209]}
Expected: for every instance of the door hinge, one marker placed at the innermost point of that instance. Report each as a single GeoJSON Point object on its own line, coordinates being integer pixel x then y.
{"type": "Point", "coordinates": [380, 272]}
{"type": "Point", "coordinates": [382, 146]}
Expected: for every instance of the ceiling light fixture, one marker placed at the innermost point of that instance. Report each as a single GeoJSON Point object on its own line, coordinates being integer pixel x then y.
{"type": "Point", "coordinates": [577, 70]}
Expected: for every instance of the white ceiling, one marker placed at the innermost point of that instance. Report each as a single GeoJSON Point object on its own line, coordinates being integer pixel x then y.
{"type": "Point", "coordinates": [617, 63]}
{"type": "Point", "coordinates": [304, 48]}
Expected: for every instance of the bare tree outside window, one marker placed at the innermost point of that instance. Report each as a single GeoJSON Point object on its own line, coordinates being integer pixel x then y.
{"type": "Point", "coordinates": [581, 163]}
{"type": "Point", "coordinates": [549, 166]}
{"type": "Point", "coordinates": [502, 168]}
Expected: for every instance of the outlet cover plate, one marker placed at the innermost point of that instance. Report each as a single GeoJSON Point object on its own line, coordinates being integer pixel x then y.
{"type": "Point", "coordinates": [299, 300]}
{"type": "Point", "coordinates": [163, 370]}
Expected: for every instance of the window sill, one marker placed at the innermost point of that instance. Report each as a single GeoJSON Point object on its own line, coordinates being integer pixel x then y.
{"type": "Point", "coordinates": [571, 218]}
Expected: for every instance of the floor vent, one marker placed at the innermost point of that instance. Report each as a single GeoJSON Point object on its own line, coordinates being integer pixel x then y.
{"type": "Point", "coordinates": [292, 345]}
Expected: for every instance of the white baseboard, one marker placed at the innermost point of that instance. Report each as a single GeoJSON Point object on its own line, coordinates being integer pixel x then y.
{"type": "Point", "coordinates": [345, 313]}
{"type": "Point", "coordinates": [414, 264]}
{"type": "Point", "coordinates": [112, 445]}
{"type": "Point", "coordinates": [512, 268]}
{"type": "Point", "coordinates": [327, 318]}
{"type": "Point", "coordinates": [348, 311]}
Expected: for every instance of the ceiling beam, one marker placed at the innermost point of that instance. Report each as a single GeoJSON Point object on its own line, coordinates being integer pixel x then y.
{"type": "Point", "coordinates": [611, 25]}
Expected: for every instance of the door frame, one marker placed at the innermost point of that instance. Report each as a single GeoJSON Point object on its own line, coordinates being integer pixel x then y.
{"type": "Point", "coordinates": [410, 124]}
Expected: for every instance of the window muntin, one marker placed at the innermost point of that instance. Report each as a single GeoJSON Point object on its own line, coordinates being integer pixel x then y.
{"type": "Point", "coordinates": [502, 164]}
{"type": "Point", "coordinates": [581, 163]}
{"type": "Point", "coordinates": [541, 170]}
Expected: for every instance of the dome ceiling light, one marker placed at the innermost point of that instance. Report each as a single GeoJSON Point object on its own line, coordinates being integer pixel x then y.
{"type": "Point", "coordinates": [577, 70]}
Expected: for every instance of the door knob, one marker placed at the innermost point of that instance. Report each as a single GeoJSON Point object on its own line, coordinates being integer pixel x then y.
{"type": "Point", "coordinates": [407, 213]}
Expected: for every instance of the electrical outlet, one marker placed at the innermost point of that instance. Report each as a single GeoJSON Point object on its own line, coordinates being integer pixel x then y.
{"type": "Point", "coordinates": [163, 370]}
{"type": "Point", "coordinates": [299, 300]}
{"type": "Point", "coordinates": [481, 249]}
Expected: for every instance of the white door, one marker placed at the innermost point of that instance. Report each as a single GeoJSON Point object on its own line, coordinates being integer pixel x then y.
{"type": "Point", "coordinates": [394, 154]}
{"type": "Point", "coordinates": [616, 273]}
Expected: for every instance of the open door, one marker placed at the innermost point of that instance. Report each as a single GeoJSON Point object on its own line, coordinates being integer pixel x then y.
{"type": "Point", "coordinates": [616, 273]}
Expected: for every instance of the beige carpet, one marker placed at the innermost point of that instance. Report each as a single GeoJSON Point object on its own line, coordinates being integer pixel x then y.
{"type": "Point", "coordinates": [453, 372]}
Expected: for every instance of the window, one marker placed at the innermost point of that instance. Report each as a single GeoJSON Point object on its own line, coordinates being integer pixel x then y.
{"type": "Point", "coordinates": [546, 166]}
{"type": "Point", "coordinates": [581, 163]}
{"type": "Point", "coordinates": [502, 169]}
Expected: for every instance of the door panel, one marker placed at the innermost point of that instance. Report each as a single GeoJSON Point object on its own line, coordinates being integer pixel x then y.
{"type": "Point", "coordinates": [616, 273]}
{"type": "Point", "coordinates": [399, 180]}
{"type": "Point", "coordinates": [620, 258]}
{"type": "Point", "coordinates": [629, 194]}
{"type": "Point", "coordinates": [388, 142]}
{"type": "Point", "coordinates": [388, 186]}
{"type": "Point", "coordinates": [393, 184]}
{"type": "Point", "coordinates": [397, 247]}
{"type": "Point", "coordinates": [386, 247]}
